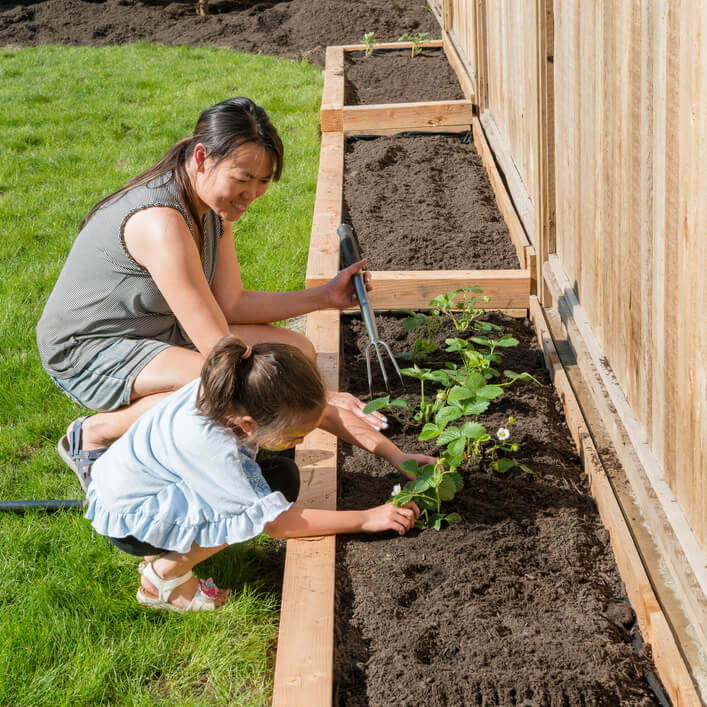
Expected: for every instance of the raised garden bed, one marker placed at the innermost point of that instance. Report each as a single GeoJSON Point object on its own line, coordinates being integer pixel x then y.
{"type": "Point", "coordinates": [520, 602]}
{"type": "Point", "coordinates": [507, 510]}
{"type": "Point", "coordinates": [441, 206]}
{"type": "Point", "coordinates": [396, 93]}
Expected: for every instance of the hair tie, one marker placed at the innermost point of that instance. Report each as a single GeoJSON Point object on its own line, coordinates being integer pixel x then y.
{"type": "Point", "coordinates": [248, 351]}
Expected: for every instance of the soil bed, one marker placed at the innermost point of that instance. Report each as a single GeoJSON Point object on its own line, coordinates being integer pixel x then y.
{"type": "Point", "coordinates": [424, 202]}
{"type": "Point", "coordinates": [519, 603]}
{"type": "Point", "coordinates": [288, 28]}
{"type": "Point", "coordinates": [393, 76]}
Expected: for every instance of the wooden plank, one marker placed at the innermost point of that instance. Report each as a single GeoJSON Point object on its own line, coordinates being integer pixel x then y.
{"type": "Point", "coordinates": [545, 199]}
{"type": "Point", "coordinates": [408, 116]}
{"type": "Point", "coordinates": [389, 45]}
{"type": "Point", "coordinates": [652, 622]}
{"type": "Point", "coordinates": [393, 289]}
{"type": "Point", "coordinates": [323, 260]}
{"type": "Point", "coordinates": [417, 129]}
{"type": "Point", "coordinates": [466, 81]}
{"type": "Point", "coordinates": [304, 665]}
{"type": "Point", "coordinates": [516, 187]}
{"type": "Point", "coordinates": [510, 216]}
{"type": "Point", "coordinates": [330, 115]}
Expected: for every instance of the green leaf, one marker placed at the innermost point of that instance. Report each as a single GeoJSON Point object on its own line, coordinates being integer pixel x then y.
{"type": "Point", "coordinates": [418, 485]}
{"type": "Point", "coordinates": [439, 377]}
{"type": "Point", "coordinates": [506, 341]}
{"type": "Point", "coordinates": [488, 326]}
{"type": "Point", "coordinates": [451, 461]}
{"type": "Point", "coordinates": [437, 521]}
{"type": "Point", "coordinates": [503, 465]}
{"type": "Point", "coordinates": [457, 447]}
{"type": "Point", "coordinates": [415, 372]}
{"type": "Point", "coordinates": [376, 404]}
{"type": "Point", "coordinates": [426, 504]}
{"type": "Point", "coordinates": [447, 489]}
{"type": "Point", "coordinates": [489, 392]}
{"type": "Point", "coordinates": [447, 414]}
{"type": "Point", "coordinates": [449, 434]}
{"type": "Point", "coordinates": [521, 377]}
{"type": "Point", "coordinates": [473, 430]}
{"type": "Point", "coordinates": [414, 320]}
{"type": "Point", "coordinates": [459, 393]}
{"type": "Point", "coordinates": [453, 518]}
{"type": "Point", "coordinates": [410, 465]}
{"type": "Point", "coordinates": [476, 408]}
{"type": "Point", "coordinates": [398, 403]}
{"type": "Point", "coordinates": [457, 479]}
{"type": "Point", "coordinates": [482, 340]}
{"type": "Point", "coordinates": [429, 431]}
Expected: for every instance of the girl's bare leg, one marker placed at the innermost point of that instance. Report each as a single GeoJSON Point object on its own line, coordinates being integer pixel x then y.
{"type": "Point", "coordinates": [174, 564]}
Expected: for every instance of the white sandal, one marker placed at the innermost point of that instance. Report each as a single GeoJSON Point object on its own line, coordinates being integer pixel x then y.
{"type": "Point", "coordinates": [165, 587]}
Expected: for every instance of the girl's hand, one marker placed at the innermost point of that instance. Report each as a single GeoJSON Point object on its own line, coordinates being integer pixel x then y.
{"type": "Point", "coordinates": [340, 290]}
{"type": "Point", "coordinates": [390, 517]}
{"type": "Point", "coordinates": [346, 401]}
{"type": "Point", "coordinates": [421, 460]}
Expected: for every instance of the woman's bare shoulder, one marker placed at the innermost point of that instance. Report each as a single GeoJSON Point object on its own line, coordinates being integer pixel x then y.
{"type": "Point", "coordinates": [155, 229]}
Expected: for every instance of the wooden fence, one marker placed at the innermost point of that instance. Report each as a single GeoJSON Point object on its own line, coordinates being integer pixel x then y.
{"type": "Point", "coordinates": [597, 115]}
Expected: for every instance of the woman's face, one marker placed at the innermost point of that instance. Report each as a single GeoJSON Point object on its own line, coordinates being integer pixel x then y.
{"type": "Point", "coordinates": [228, 187]}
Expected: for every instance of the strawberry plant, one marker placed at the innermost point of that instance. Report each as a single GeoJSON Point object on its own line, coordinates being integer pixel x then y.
{"type": "Point", "coordinates": [417, 41]}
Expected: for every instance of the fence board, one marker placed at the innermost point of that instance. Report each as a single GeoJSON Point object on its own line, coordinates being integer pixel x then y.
{"type": "Point", "coordinates": [631, 213]}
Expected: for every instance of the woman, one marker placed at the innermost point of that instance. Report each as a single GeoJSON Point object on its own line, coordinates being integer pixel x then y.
{"type": "Point", "coordinates": [152, 282]}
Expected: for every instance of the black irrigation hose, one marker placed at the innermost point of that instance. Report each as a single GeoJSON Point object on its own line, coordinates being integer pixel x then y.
{"type": "Point", "coordinates": [50, 506]}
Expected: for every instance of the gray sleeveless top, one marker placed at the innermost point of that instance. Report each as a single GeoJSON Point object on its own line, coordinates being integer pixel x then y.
{"type": "Point", "coordinates": [102, 295]}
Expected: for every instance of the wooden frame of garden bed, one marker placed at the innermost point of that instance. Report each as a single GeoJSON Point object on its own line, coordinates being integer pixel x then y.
{"type": "Point", "coordinates": [305, 654]}
{"type": "Point", "coordinates": [336, 117]}
{"type": "Point", "coordinates": [508, 290]}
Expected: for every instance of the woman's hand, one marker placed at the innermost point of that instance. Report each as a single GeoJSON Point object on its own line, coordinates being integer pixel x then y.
{"type": "Point", "coordinates": [349, 402]}
{"type": "Point", "coordinates": [340, 290]}
{"type": "Point", "coordinates": [391, 517]}
{"type": "Point", "coordinates": [421, 459]}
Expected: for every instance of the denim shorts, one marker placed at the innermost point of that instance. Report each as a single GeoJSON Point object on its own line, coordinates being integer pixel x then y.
{"type": "Point", "coordinates": [107, 380]}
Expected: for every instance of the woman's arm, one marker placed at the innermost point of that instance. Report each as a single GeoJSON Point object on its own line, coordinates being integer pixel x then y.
{"type": "Point", "coordinates": [158, 239]}
{"type": "Point", "coordinates": [241, 306]}
{"type": "Point", "coordinates": [307, 522]}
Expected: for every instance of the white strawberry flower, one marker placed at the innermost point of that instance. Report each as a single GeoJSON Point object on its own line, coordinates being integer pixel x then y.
{"type": "Point", "coordinates": [396, 490]}
{"type": "Point", "coordinates": [503, 434]}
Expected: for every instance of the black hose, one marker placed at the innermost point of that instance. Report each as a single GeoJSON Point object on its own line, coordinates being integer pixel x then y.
{"type": "Point", "coordinates": [49, 506]}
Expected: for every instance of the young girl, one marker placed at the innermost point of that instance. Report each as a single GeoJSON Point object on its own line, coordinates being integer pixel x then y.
{"type": "Point", "coordinates": [183, 482]}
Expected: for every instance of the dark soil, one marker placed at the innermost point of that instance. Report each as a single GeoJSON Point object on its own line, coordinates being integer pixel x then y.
{"type": "Point", "coordinates": [393, 76]}
{"type": "Point", "coordinates": [287, 28]}
{"type": "Point", "coordinates": [424, 203]}
{"type": "Point", "coordinates": [520, 603]}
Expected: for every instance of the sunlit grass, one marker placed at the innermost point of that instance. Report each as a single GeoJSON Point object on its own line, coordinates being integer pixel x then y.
{"type": "Point", "coordinates": [77, 123]}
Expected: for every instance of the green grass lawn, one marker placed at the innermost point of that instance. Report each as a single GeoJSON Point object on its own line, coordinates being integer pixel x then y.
{"type": "Point", "coordinates": [77, 123]}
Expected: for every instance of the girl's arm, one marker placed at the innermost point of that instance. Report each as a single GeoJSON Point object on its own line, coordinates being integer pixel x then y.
{"type": "Point", "coordinates": [241, 306]}
{"type": "Point", "coordinates": [307, 522]}
{"type": "Point", "coordinates": [354, 430]}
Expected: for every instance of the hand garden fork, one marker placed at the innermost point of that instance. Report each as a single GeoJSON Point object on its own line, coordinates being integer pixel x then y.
{"type": "Point", "coordinates": [351, 254]}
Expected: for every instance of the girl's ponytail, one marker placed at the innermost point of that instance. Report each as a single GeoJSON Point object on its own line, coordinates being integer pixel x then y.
{"type": "Point", "coordinates": [276, 384]}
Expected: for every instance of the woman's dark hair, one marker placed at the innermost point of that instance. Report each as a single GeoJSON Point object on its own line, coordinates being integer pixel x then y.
{"type": "Point", "coordinates": [277, 385]}
{"type": "Point", "coordinates": [222, 129]}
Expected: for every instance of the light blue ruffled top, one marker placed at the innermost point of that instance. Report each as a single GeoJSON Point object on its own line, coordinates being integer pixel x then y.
{"type": "Point", "coordinates": [175, 478]}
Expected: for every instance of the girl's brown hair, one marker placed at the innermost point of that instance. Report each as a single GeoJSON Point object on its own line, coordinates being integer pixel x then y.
{"type": "Point", "coordinates": [277, 385]}
{"type": "Point", "coordinates": [222, 129]}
